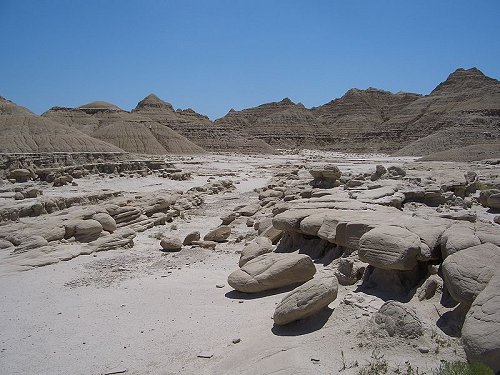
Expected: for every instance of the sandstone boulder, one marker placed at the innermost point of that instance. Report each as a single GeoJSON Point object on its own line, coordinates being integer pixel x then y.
{"type": "Point", "coordinates": [249, 210]}
{"type": "Point", "coordinates": [228, 219]}
{"type": "Point", "coordinates": [193, 236]}
{"type": "Point", "coordinates": [20, 175]}
{"type": "Point", "coordinates": [390, 247]}
{"type": "Point", "coordinates": [171, 244]}
{"type": "Point", "coordinates": [122, 238]}
{"type": "Point", "coordinates": [271, 271]}
{"type": "Point", "coordinates": [273, 234]}
{"type": "Point", "coordinates": [107, 222]}
{"type": "Point", "coordinates": [458, 237]}
{"type": "Point", "coordinates": [219, 234]}
{"type": "Point", "coordinates": [481, 329]}
{"type": "Point", "coordinates": [81, 229]}
{"type": "Point", "coordinates": [490, 198]}
{"type": "Point", "coordinates": [467, 272]}
{"type": "Point", "coordinates": [307, 299]}
{"type": "Point", "coordinates": [261, 245]}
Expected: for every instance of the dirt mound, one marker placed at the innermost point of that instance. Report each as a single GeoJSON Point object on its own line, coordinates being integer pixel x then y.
{"type": "Point", "coordinates": [468, 153]}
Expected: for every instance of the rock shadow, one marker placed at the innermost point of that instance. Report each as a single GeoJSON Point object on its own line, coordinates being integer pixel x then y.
{"type": "Point", "coordinates": [451, 322]}
{"type": "Point", "coordinates": [394, 285]}
{"type": "Point", "coordinates": [234, 294]}
{"type": "Point", "coordinates": [304, 326]}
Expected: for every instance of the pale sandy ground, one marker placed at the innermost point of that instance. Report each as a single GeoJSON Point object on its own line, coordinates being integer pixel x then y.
{"type": "Point", "coordinates": [149, 312]}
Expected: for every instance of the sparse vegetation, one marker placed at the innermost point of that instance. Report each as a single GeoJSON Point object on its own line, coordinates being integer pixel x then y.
{"type": "Point", "coordinates": [463, 368]}
{"type": "Point", "coordinates": [378, 365]}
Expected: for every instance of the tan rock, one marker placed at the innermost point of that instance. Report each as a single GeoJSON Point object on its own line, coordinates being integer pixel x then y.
{"type": "Point", "coordinates": [467, 272]}
{"type": "Point", "coordinates": [219, 234]}
{"type": "Point", "coordinates": [271, 271]}
{"type": "Point", "coordinates": [390, 247]}
{"type": "Point", "coordinates": [259, 246]}
{"type": "Point", "coordinates": [307, 299]}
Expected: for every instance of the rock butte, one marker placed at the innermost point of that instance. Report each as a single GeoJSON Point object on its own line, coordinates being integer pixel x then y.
{"type": "Point", "coordinates": [137, 232]}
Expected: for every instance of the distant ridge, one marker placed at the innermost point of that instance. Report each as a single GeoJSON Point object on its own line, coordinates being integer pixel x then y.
{"type": "Point", "coordinates": [461, 111]}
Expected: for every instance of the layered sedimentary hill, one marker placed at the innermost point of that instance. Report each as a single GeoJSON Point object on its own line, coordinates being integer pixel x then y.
{"type": "Point", "coordinates": [354, 119]}
{"type": "Point", "coordinates": [282, 124]}
{"type": "Point", "coordinates": [341, 124]}
{"type": "Point", "coordinates": [463, 110]}
{"type": "Point", "coordinates": [130, 131]}
{"type": "Point", "coordinates": [23, 131]}
{"type": "Point", "coordinates": [198, 128]}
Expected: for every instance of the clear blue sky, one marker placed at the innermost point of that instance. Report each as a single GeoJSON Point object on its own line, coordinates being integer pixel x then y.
{"type": "Point", "coordinates": [214, 55]}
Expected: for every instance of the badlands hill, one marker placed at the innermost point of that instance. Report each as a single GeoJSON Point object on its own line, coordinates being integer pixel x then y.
{"type": "Point", "coordinates": [198, 128]}
{"type": "Point", "coordinates": [463, 110]}
{"type": "Point", "coordinates": [128, 131]}
{"type": "Point", "coordinates": [23, 131]}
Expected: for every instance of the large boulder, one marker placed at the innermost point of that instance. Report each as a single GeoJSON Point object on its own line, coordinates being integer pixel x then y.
{"type": "Point", "coordinates": [191, 237]}
{"type": "Point", "coordinates": [481, 329]}
{"type": "Point", "coordinates": [467, 272]}
{"type": "Point", "coordinates": [457, 237]}
{"type": "Point", "coordinates": [107, 222]}
{"type": "Point", "coordinates": [272, 270]}
{"type": "Point", "coordinates": [21, 174]}
{"type": "Point", "coordinates": [390, 247]}
{"type": "Point", "coordinates": [260, 246]}
{"type": "Point", "coordinates": [490, 198]}
{"type": "Point", "coordinates": [396, 319]}
{"type": "Point", "coordinates": [326, 176]}
{"type": "Point", "coordinates": [171, 243]}
{"type": "Point", "coordinates": [219, 234]}
{"type": "Point", "coordinates": [307, 299]}
{"type": "Point", "coordinates": [83, 230]}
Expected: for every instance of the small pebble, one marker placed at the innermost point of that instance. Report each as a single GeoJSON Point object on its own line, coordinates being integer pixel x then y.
{"type": "Point", "coordinates": [220, 286]}
{"type": "Point", "coordinates": [235, 341]}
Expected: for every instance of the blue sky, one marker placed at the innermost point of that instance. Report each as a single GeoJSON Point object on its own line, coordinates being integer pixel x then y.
{"type": "Point", "coordinates": [216, 55]}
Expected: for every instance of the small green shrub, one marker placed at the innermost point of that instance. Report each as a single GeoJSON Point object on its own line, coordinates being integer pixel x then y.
{"type": "Point", "coordinates": [463, 368]}
{"type": "Point", "coordinates": [378, 365]}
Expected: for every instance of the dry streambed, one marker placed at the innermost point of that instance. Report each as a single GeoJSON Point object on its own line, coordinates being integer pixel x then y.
{"type": "Point", "coordinates": [340, 269]}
